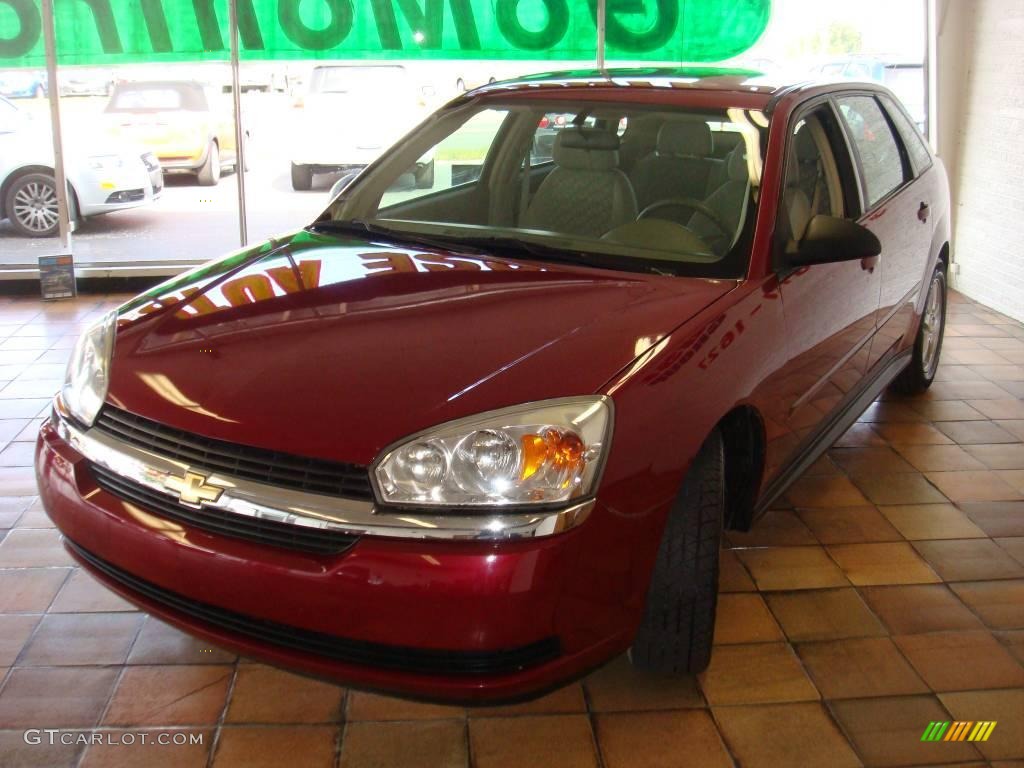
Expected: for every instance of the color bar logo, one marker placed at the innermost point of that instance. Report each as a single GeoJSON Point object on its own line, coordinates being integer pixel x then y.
{"type": "Point", "coordinates": [961, 730]}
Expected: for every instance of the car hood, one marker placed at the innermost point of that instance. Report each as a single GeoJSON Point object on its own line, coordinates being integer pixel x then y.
{"type": "Point", "coordinates": [335, 347]}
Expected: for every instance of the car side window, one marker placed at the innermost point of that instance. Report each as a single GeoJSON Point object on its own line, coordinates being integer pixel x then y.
{"type": "Point", "coordinates": [880, 160]}
{"type": "Point", "coordinates": [920, 157]}
{"type": "Point", "coordinates": [812, 183]}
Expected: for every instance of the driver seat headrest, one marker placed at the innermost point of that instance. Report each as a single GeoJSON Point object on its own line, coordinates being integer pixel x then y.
{"type": "Point", "coordinates": [586, 149]}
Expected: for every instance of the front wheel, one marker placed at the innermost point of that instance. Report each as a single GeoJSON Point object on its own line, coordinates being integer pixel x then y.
{"type": "Point", "coordinates": [302, 178]}
{"type": "Point", "coordinates": [678, 625]}
{"type": "Point", "coordinates": [32, 205]}
{"type": "Point", "coordinates": [918, 376]}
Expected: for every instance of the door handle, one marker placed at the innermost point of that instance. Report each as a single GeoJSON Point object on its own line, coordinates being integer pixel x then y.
{"type": "Point", "coordinates": [922, 213]}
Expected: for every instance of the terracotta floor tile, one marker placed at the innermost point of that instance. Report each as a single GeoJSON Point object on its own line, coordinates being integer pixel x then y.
{"type": "Point", "coordinates": [176, 695]}
{"type": "Point", "coordinates": [823, 614]}
{"type": "Point", "coordinates": [1010, 408]}
{"type": "Point", "coordinates": [18, 481]}
{"type": "Point", "coordinates": [946, 410]}
{"type": "Point", "coordinates": [974, 486]}
{"type": "Point", "coordinates": [969, 560]}
{"type": "Point", "coordinates": [1013, 546]}
{"type": "Point", "coordinates": [973, 357]}
{"type": "Point", "coordinates": [372, 706]}
{"type": "Point", "coordinates": [83, 594]}
{"type": "Point", "coordinates": [16, 753]}
{"type": "Point", "coordinates": [82, 639]}
{"type": "Point", "coordinates": [965, 390]}
{"type": "Point", "coordinates": [23, 408]}
{"type": "Point", "coordinates": [998, 518]}
{"type": "Point", "coordinates": [30, 589]}
{"type": "Point", "coordinates": [732, 575]}
{"type": "Point", "coordinates": [15, 629]}
{"type": "Point", "coordinates": [618, 687]}
{"type": "Point", "coordinates": [11, 509]}
{"type": "Point", "coordinates": [932, 521]}
{"type": "Point", "coordinates": [556, 741]}
{"type": "Point", "coordinates": [68, 697]}
{"type": "Point", "coordinates": [859, 668]}
{"type": "Point", "coordinates": [17, 455]}
{"type": "Point", "coordinates": [1002, 706]}
{"type": "Point", "coordinates": [849, 525]}
{"type": "Point", "coordinates": [763, 673]}
{"type": "Point", "coordinates": [882, 563]}
{"type": "Point", "coordinates": [415, 744]}
{"type": "Point", "coordinates": [960, 661]}
{"type": "Point", "coordinates": [267, 695]}
{"type": "Point", "coordinates": [971, 432]}
{"type": "Point", "coordinates": [152, 754]}
{"type": "Point", "coordinates": [568, 699]}
{"type": "Point", "coordinates": [859, 434]}
{"type": "Point", "coordinates": [160, 643]}
{"type": "Point", "coordinates": [792, 568]}
{"type": "Point", "coordinates": [777, 528]}
{"type": "Point", "coordinates": [658, 739]}
{"type": "Point", "coordinates": [919, 608]}
{"type": "Point", "coordinates": [744, 618]}
{"type": "Point", "coordinates": [784, 736]}
{"type": "Point", "coordinates": [1013, 641]}
{"type": "Point", "coordinates": [825, 491]}
{"type": "Point", "coordinates": [939, 458]}
{"type": "Point", "coordinates": [912, 434]}
{"type": "Point", "coordinates": [308, 746]}
{"type": "Point", "coordinates": [33, 549]}
{"type": "Point", "coordinates": [887, 731]}
{"type": "Point", "coordinates": [1014, 426]}
{"type": "Point", "coordinates": [907, 488]}
{"type": "Point", "coordinates": [869, 460]}
{"type": "Point", "coordinates": [1000, 604]}
{"type": "Point", "coordinates": [1013, 478]}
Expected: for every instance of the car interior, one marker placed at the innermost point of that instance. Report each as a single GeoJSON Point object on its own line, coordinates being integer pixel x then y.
{"type": "Point", "coordinates": [674, 184]}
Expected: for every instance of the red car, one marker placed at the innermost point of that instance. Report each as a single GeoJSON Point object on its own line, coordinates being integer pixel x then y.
{"type": "Point", "coordinates": [467, 443]}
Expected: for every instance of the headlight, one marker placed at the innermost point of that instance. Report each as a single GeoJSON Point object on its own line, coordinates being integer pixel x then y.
{"type": "Point", "coordinates": [105, 162]}
{"type": "Point", "coordinates": [88, 374]}
{"type": "Point", "coordinates": [539, 453]}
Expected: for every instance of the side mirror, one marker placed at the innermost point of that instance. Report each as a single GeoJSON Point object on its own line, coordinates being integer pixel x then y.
{"type": "Point", "coordinates": [829, 239]}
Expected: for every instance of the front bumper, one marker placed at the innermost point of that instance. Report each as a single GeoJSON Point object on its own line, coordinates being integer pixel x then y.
{"type": "Point", "coordinates": [467, 621]}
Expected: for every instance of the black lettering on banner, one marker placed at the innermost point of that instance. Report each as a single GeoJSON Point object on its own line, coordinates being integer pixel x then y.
{"type": "Point", "coordinates": [332, 35]}
{"type": "Point", "coordinates": [30, 27]}
{"type": "Point", "coordinates": [520, 37]}
{"type": "Point", "coordinates": [622, 37]}
{"type": "Point", "coordinates": [249, 34]}
{"type": "Point", "coordinates": [103, 15]}
{"type": "Point", "coordinates": [156, 25]}
{"type": "Point", "coordinates": [429, 20]}
{"type": "Point", "coordinates": [209, 29]}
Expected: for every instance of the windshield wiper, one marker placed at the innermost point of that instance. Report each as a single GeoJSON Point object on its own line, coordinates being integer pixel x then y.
{"type": "Point", "coordinates": [360, 227]}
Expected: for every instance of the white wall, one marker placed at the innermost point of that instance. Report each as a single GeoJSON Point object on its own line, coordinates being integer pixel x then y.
{"type": "Point", "coordinates": [981, 140]}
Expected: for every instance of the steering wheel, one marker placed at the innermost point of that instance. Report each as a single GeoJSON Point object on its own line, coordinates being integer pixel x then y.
{"type": "Point", "coordinates": [694, 205]}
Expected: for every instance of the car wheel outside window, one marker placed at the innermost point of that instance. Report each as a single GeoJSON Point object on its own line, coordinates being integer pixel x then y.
{"type": "Point", "coordinates": [209, 174]}
{"type": "Point", "coordinates": [32, 205]}
{"type": "Point", "coordinates": [678, 625]}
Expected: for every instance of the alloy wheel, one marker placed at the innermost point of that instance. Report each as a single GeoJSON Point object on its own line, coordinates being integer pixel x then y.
{"type": "Point", "coordinates": [35, 206]}
{"type": "Point", "coordinates": [931, 327]}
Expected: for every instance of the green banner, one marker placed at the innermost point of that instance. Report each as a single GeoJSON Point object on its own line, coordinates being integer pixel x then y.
{"type": "Point", "coordinates": [107, 32]}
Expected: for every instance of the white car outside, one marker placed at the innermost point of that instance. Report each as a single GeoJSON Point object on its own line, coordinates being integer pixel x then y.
{"type": "Point", "coordinates": [350, 114]}
{"type": "Point", "coordinates": [103, 177]}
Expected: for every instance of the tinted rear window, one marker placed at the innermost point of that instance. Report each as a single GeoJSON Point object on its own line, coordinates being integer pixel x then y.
{"type": "Point", "coordinates": [157, 97]}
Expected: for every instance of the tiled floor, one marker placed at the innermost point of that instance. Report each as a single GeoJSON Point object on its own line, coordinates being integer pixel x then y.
{"type": "Point", "coordinates": [888, 592]}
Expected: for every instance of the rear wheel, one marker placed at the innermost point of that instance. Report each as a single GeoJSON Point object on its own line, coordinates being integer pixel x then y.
{"type": "Point", "coordinates": [302, 178]}
{"type": "Point", "coordinates": [32, 205]}
{"type": "Point", "coordinates": [678, 625]}
{"type": "Point", "coordinates": [209, 174]}
{"type": "Point", "coordinates": [918, 376]}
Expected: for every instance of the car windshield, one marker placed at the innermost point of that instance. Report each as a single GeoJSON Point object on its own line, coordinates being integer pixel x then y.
{"type": "Point", "coordinates": [157, 97]}
{"type": "Point", "coordinates": [670, 190]}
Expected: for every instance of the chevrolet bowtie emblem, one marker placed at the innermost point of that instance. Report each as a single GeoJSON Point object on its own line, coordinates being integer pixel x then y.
{"type": "Point", "coordinates": [192, 489]}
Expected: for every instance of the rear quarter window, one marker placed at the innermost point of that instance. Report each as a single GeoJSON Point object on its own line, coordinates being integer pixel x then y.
{"type": "Point", "coordinates": [920, 157]}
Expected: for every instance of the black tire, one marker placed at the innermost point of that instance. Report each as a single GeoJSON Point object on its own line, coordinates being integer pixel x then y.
{"type": "Point", "coordinates": [678, 625]}
{"type": "Point", "coordinates": [425, 176]}
{"type": "Point", "coordinates": [209, 174]}
{"type": "Point", "coordinates": [302, 178]}
{"type": "Point", "coordinates": [31, 205]}
{"type": "Point", "coordinates": [919, 374]}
